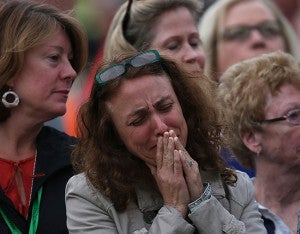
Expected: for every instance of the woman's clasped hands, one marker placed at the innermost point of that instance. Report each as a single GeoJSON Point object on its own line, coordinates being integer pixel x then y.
{"type": "Point", "coordinates": [177, 174]}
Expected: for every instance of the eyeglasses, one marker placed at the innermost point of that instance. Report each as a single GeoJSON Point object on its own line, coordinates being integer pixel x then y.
{"type": "Point", "coordinates": [126, 17]}
{"type": "Point", "coordinates": [267, 29]}
{"type": "Point", "coordinates": [292, 117]}
{"type": "Point", "coordinates": [116, 70]}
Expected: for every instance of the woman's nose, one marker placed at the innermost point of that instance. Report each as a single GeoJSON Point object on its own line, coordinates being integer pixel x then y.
{"type": "Point", "coordinates": [159, 125]}
{"type": "Point", "coordinates": [192, 55]}
{"type": "Point", "coordinates": [68, 71]}
{"type": "Point", "coordinates": [256, 35]}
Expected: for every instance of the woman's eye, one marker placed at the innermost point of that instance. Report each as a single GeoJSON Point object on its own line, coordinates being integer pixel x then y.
{"type": "Point", "coordinates": [172, 46]}
{"type": "Point", "coordinates": [195, 42]}
{"type": "Point", "coordinates": [166, 107]}
{"type": "Point", "coordinates": [137, 122]}
{"type": "Point", "coordinates": [54, 57]}
{"type": "Point", "coordinates": [295, 115]}
{"type": "Point", "coordinates": [71, 57]}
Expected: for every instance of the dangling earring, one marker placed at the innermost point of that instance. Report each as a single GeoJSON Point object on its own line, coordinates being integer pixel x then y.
{"type": "Point", "coordinates": [10, 99]}
{"type": "Point", "coordinates": [258, 153]}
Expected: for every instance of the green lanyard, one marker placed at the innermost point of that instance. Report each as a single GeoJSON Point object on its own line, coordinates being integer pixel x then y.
{"type": "Point", "coordinates": [34, 217]}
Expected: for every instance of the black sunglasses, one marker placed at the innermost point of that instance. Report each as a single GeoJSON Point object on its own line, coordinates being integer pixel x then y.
{"type": "Point", "coordinates": [268, 29]}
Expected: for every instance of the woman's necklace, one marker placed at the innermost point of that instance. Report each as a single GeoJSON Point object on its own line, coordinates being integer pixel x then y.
{"type": "Point", "coordinates": [33, 175]}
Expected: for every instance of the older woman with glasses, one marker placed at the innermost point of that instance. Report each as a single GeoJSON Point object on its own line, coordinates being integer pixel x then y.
{"type": "Point", "coordinates": [234, 30]}
{"type": "Point", "coordinates": [149, 156]}
{"type": "Point", "coordinates": [260, 98]}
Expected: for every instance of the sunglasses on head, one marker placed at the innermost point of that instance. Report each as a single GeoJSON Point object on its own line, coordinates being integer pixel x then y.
{"type": "Point", "coordinates": [117, 70]}
{"type": "Point", "coordinates": [268, 29]}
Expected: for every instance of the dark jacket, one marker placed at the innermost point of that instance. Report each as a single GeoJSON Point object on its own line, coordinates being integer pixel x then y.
{"type": "Point", "coordinates": [53, 163]}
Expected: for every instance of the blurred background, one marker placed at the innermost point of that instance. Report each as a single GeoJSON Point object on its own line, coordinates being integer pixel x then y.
{"type": "Point", "coordinates": [95, 16]}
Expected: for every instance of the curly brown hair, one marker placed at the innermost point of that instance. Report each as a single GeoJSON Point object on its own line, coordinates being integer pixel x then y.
{"type": "Point", "coordinates": [243, 95]}
{"type": "Point", "coordinates": [103, 157]}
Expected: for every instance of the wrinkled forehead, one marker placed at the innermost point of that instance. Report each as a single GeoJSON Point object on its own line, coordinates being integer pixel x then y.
{"type": "Point", "coordinates": [140, 88]}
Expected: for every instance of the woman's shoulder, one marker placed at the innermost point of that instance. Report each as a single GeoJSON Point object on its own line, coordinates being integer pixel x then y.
{"type": "Point", "coordinates": [78, 182]}
{"type": "Point", "coordinates": [79, 186]}
{"type": "Point", "coordinates": [243, 190]}
{"type": "Point", "coordinates": [243, 179]}
{"type": "Point", "coordinates": [243, 186]}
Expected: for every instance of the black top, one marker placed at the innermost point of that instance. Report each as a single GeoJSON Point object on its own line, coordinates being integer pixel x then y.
{"type": "Point", "coordinates": [53, 160]}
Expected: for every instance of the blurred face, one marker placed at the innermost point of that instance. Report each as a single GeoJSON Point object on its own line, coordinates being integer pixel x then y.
{"type": "Point", "coordinates": [280, 140]}
{"type": "Point", "coordinates": [237, 45]}
{"type": "Point", "coordinates": [142, 110]}
{"type": "Point", "coordinates": [45, 80]}
{"type": "Point", "coordinates": [176, 35]}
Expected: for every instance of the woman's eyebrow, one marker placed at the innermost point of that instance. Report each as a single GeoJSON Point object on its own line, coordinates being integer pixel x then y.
{"type": "Point", "coordinates": [138, 111]}
{"type": "Point", "coordinates": [161, 100]}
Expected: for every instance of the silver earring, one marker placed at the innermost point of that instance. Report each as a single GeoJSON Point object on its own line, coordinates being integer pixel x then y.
{"type": "Point", "coordinates": [10, 99]}
{"type": "Point", "coordinates": [258, 153]}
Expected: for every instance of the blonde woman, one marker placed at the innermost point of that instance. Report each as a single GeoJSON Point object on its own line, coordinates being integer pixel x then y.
{"type": "Point", "coordinates": [234, 30]}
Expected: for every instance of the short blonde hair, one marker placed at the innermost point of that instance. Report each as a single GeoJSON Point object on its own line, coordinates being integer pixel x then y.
{"type": "Point", "coordinates": [242, 95]}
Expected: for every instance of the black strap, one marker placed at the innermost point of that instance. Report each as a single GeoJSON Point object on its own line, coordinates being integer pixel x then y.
{"type": "Point", "coordinates": [148, 216]}
{"type": "Point", "coordinates": [269, 225]}
{"type": "Point", "coordinates": [227, 194]}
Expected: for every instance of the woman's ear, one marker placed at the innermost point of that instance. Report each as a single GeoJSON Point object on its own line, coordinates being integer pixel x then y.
{"type": "Point", "coordinates": [251, 141]}
{"type": "Point", "coordinates": [10, 83]}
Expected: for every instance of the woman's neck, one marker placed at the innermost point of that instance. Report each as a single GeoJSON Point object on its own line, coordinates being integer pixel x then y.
{"type": "Point", "coordinates": [278, 190]}
{"type": "Point", "coordinates": [17, 143]}
{"type": "Point", "coordinates": [277, 183]}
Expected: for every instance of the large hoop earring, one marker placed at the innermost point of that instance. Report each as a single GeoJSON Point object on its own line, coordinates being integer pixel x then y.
{"type": "Point", "coordinates": [10, 99]}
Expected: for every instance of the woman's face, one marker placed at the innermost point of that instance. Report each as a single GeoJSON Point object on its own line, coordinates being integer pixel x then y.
{"type": "Point", "coordinates": [46, 78]}
{"type": "Point", "coordinates": [241, 15]}
{"type": "Point", "coordinates": [280, 140]}
{"type": "Point", "coordinates": [142, 110]}
{"type": "Point", "coordinates": [176, 35]}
